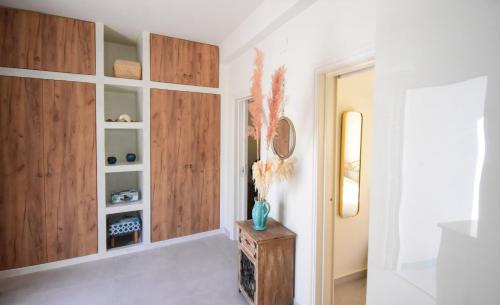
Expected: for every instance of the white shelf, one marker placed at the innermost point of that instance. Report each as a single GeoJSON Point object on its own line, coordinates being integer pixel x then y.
{"type": "Point", "coordinates": [117, 81]}
{"type": "Point", "coordinates": [123, 207]}
{"type": "Point", "coordinates": [125, 248]}
{"type": "Point", "coordinates": [123, 125]}
{"type": "Point", "coordinates": [124, 167]}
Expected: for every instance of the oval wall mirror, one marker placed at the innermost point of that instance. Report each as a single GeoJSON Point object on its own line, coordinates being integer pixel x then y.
{"type": "Point", "coordinates": [284, 141]}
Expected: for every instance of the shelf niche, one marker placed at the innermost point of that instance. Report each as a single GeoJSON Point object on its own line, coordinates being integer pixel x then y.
{"type": "Point", "coordinates": [122, 100]}
{"type": "Point", "coordinates": [120, 142]}
{"type": "Point", "coordinates": [123, 240]}
{"type": "Point", "coordinates": [118, 46]}
{"type": "Point", "coordinates": [116, 182]}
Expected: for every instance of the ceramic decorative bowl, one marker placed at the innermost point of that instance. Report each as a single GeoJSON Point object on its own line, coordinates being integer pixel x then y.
{"type": "Point", "coordinates": [131, 157]}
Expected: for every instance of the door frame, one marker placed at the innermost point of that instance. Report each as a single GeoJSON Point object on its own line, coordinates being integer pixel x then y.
{"type": "Point", "coordinates": [324, 168]}
{"type": "Point", "coordinates": [241, 166]}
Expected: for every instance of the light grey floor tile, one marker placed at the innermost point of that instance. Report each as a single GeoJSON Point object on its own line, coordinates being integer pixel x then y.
{"type": "Point", "coordinates": [197, 272]}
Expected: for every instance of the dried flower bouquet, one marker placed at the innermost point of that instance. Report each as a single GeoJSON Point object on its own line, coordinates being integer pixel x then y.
{"type": "Point", "coordinates": [265, 172]}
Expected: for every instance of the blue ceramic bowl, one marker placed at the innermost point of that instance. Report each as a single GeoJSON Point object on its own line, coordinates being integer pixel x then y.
{"type": "Point", "coordinates": [111, 160]}
{"type": "Point", "coordinates": [131, 157]}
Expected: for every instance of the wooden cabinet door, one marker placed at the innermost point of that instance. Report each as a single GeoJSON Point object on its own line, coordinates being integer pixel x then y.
{"type": "Point", "coordinates": [31, 40]}
{"type": "Point", "coordinates": [184, 62]}
{"type": "Point", "coordinates": [22, 204]}
{"type": "Point", "coordinates": [207, 161]}
{"type": "Point", "coordinates": [70, 156]}
{"type": "Point", "coordinates": [185, 140]}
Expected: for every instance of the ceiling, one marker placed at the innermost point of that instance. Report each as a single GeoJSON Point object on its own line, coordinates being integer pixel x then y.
{"type": "Point", "coordinates": [208, 21]}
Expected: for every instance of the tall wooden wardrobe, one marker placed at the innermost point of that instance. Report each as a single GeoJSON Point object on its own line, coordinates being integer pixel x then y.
{"type": "Point", "coordinates": [48, 168]}
{"type": "Point", "coordinates": [48, 208]}
{"type": "Point", "coordinates": [185, 140]}
{"type": "Point", "coordinates": [185, 149]}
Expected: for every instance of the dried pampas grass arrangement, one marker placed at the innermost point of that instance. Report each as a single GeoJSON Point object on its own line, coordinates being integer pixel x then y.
{"type": "Point", "coordinates": [264, 173]}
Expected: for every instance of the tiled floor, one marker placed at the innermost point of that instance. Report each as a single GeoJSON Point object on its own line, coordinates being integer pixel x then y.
{"type": "Point", "coordinates": [193, 273]}
{"type": "Point", "coordinates": [352, 292]}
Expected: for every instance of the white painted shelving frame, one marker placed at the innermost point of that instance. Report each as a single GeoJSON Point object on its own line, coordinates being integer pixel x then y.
{"type": "Point", "coordinates": [143, 165]}
{"type": "Point", "coordinates": [144, 205]}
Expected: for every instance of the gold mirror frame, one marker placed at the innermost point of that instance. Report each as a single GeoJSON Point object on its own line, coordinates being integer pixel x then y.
{"type": "Point", "coordinates": [350, 163]}
{"type": "Point", "coordinates": [291, 137]}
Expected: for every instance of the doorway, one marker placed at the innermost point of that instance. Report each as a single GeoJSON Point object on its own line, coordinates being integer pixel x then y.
{"type": "Point", "coordinates": [247, 154]}
{"type": "Point", "coordinates": [342, 243]}
{"type": "Point", "coordinates": [353, 94]}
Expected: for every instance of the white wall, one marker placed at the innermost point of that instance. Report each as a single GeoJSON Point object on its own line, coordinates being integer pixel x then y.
{"type": "Point", "coordinates": [324, 32]}
{"type": "Point", "coordinates": [422, 44]}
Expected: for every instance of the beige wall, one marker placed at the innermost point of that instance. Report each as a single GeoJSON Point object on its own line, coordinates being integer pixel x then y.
{"type": "Point", "coordinates": [354, 93]}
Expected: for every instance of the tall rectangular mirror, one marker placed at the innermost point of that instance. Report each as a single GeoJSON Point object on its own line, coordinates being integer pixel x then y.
{"type": "Point", "coordinates": [350, 163]}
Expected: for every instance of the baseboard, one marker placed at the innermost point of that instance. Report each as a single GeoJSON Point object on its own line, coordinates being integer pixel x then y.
{"type": "Point", "coordinates": [111, 253]}
{"type": "Point", "coordinates": [351, 277]}
{"type": "Point", "coordinates": [173, 241]}
{"type": "Point", "coordinates": [226, 232]}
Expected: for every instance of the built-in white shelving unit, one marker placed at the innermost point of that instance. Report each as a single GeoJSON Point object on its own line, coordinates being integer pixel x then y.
{"type": "Point", "coordinates": [122, 96]}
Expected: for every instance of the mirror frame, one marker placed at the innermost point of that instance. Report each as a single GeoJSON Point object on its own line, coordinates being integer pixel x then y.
{"type": "Point", "coordinates": [341, 163]}
{"type": "Point", "coordinates": [292, 129]}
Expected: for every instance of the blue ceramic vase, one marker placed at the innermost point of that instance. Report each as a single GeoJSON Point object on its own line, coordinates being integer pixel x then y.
{"type": "Point", "coordinates": [259, 214]}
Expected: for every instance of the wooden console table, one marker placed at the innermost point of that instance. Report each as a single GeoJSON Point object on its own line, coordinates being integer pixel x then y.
{"type": "Point", "coordinates": [266, 263]}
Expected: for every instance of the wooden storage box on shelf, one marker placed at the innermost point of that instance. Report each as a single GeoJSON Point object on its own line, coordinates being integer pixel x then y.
{"type": "Point", "coordinates": [266, 265]}
{"type": "Point", "coordinates": [127, 69]}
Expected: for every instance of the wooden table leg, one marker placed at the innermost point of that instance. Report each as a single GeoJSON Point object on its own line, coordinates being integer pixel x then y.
{"type": "Point", "coordinates": [113, 241]}
{"type": "Point", "coordinates": [136, 236]}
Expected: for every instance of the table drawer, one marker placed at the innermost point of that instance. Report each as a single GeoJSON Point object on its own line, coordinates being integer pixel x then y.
{"type": "Point", "coordinates": [248, 244]}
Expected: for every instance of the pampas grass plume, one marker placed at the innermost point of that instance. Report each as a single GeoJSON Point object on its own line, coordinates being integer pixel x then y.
{"type": "Point", "coordinates": [283, 169]}
{"type": "Point", "coordinates": [255, 107]}
{"type": "Point", "coordinates": [274, 102]}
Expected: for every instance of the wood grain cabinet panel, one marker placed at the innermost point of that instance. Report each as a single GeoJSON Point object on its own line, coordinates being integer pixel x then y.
{"type": "Point", "coordinates": [184, 62]}
{"type": "Point", "coordinates": [185, 149]}
{"type": "Point", "coordinates": [70, 155]}
{"type": "Point", "coordinates": [48, 165]}
{"type": "Point", "coordinates": [22, 202]}
{"type": "Point", "coordinates": [31, 40]}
